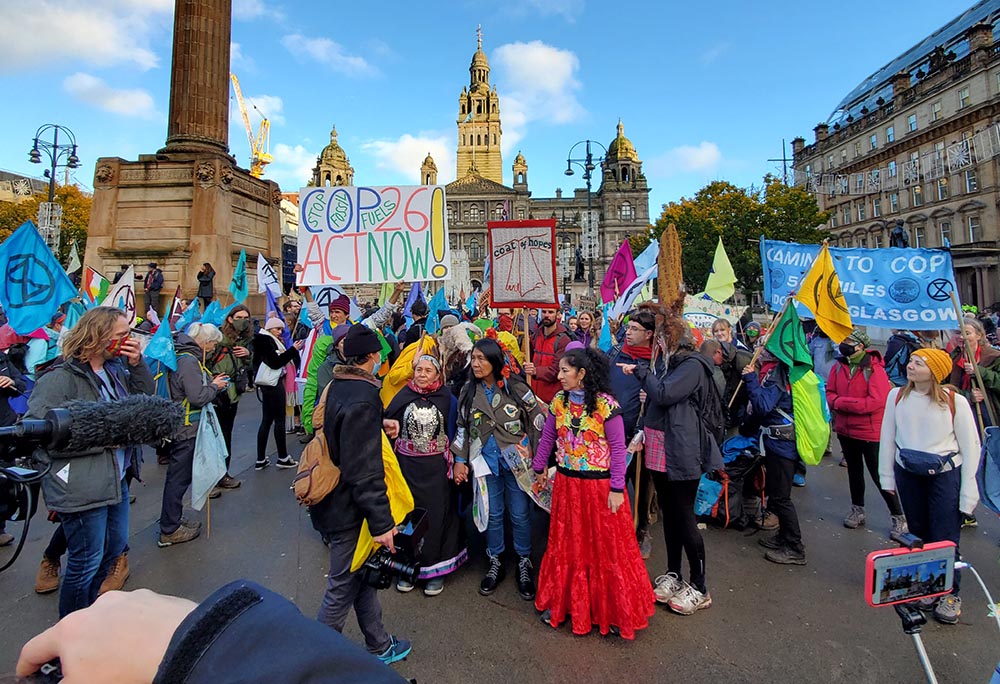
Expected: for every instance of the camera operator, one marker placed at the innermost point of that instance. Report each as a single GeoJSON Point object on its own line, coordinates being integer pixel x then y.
{"type": "Point", "coordinates": [11, 385]}
{"type": "Point", "coordinates": [353, 430]}
{"type": "Point", "coordinates": [88, 488]}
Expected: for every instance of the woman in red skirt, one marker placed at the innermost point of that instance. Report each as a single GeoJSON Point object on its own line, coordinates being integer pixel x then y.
{"type": "Point", "coordinates": [592, 572]}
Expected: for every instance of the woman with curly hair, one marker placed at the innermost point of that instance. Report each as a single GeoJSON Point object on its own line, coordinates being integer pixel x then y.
{"type": "Point", "coordinates": [592, 571]}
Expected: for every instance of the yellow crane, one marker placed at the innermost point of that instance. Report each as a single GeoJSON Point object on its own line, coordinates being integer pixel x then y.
{"type": "Point", "coordinates": [260, 144]}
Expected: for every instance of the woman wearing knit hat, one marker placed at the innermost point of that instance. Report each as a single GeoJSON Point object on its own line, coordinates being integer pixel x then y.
{"type": "Point", "coordinates": [929, 453]}
{"type": "Point", "coordinates": [855, 391]}
{"type": "Point", "coordinates": [963, 374]}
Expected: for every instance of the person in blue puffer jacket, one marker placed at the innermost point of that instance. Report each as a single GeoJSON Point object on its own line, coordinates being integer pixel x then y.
{"type": "Point", "coordinates": [771, 408]}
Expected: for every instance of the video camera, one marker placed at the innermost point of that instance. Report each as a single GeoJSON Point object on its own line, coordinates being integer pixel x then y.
{"type": "Point", "coordinates": [383, 567]}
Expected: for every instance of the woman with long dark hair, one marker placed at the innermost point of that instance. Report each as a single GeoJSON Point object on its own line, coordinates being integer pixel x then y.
{"type": "Point", "coordinates": [426, 411]}
{"type": "Point", "coordinates": [270, 359]}
{"type": "Point", "coordinates": [206, 284]}
{"type": "Point", "coordinates": [497, 412]}
{"type": "Point", "coordinates": [592, 571]}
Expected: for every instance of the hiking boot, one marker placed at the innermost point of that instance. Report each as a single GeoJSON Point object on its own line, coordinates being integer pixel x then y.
{"type": "Point", "coordinates": [645, 545]}
{"type": "Point", "coordinates": [190, 524]}
{"type": "Point", "coordinates": [215, 493]}
{"type": "Point", "coordinates": [434, 586]}
{"type": "Point", "coordinates": [772, 542]}
{"type": "Point", "coordinates": [398, 650]}
{"type": "Point", "coordinates": [47, 580]}
{"type": "Point", "coordinates": [969, 520]}
{"type": "Point", "coordinates": [287, 462]}
{"type": "Point", "coordinates": [856, 518]}
{"type": "Point", "coordinates": [667, 586]}
{"type": "Point", "coordinates": [798, 480]}
{"type": "Point", "coordinates": [525, 585]}
{"type": "Point", "coordinates": [769, 521]}
{"type": "Point", "coordinates": [948, 609]}
{"type": "Point", "coordinates": [494, 575]}
{"type": "Point", "coordinates": [898, 528]}
{"type": "Point", "coordinates": [261, 464]}
{"type": "Point", "coordinates": [403, 586]}
{"type": "Point", "coordinates": [179, 536]}
{"type": "Point", "coordinates": [689, 600]}
{"type": "Point", "coordinates": [117, 574]}
{"type": "Point", "coordinates": [786, 556]}
{"type": "Point", "coordinates": [229, 482]}
{"type": "Point", "coordinates": [6, 539]}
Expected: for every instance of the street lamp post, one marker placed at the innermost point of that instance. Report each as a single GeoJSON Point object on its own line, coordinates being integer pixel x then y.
{"type": "Point", "coordinates": [587, 164]}
{"type": "Point", "coordinates": [49, 218]}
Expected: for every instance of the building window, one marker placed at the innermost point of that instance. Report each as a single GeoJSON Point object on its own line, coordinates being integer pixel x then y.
{"type": "Point", "coordinates": [829, 162]}
{"type": "Point", "coordinates": [626, 212]}
{"type": "Point", "coordinates": [520, 214]}
{"type": "Point", "coordinates": [833, 219]}
{"type": "Point", "coordinates": [893, 202]}
{"type": "Point", "coordinates": [843, 156]}
{"type": "Point", "coordinates": [809, 171]}
{"type": "Point", "coordinates": [890, 134]}
{"type": "Point", "coordinates": [945, 227]}
{"type": "Point", "coordinates": [862, 241]}
{"type": "Point", "coordinates": [936, 111]}
{"type": "Point", "coordinates": [451, 213]}
{"type": "Point", "coordinates": [498, 212]}
{"type": "Point", "coordinates": [918, 237]}
{"type": "Point", "coordinates": [973, 228]}
{"type": "Point", "coordinates": [873, 141]}
{"type": "Point", "coordinates": [877, 240]}
{"type": "Point", "coordinates": [876, 207]}
{"type": "Point", "coordinates": [911, 122]}
{"type": "Point", "coordinates": [942, 188]}
{"type": "Point", "coordinates": [963, 98]}
{"type": "Point", "coordinates": [861, 211]}
{"type": "Point", "coordinates": [916, 196]}
{"type": "Point", "coordinates": [971, 182]}
{"type": "Point", "coordinates": [847, 213]}
{"type": "Point", "coordinates": [892, 169]}
{"type": "Point", "coordinates": [474, 250]}
{"type": "Point", "coordinates": [857, 149]}
{"type": "Point", "coordinates": [474, 212]}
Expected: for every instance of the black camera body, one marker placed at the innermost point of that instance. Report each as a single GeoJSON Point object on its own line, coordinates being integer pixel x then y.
{"type": "Point", "coordinates": [384, 567]}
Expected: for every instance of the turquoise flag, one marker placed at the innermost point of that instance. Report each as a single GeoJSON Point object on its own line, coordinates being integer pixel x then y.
{"type": "Point", "coordinates": [35, 284]}
{"type": "Point", "coordinates": [238, 286]}
{"type": "Point", "coordinates": [437, 303]}
{"type": "Point", "coordinates": [191, 315]}
{"type": "Point", "coordinates": [604, 342]}
{"type": "Point", "coordinates": [161, 346]}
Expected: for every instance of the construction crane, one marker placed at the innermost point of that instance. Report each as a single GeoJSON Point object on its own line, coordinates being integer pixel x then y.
{"type": "Point", "coordinates": [260, 144]}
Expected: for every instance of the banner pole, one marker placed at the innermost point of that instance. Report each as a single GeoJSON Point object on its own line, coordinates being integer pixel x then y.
{"type": "Point", "coordinates": [526, 343]}
{"type": "Point", "coordinates": [971, 361]}
{"type": "Point", "coordinates": [756, 353]}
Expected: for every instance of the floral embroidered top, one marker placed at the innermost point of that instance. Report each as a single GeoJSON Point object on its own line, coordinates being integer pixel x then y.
{"type": "Point", "coordinates": [590, 445]}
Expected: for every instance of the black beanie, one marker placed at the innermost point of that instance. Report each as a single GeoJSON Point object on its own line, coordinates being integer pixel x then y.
{"type": "Point", "coordinates": [361, 340]}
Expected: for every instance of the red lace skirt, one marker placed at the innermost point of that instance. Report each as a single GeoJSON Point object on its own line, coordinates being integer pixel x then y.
{"type": "Point", "coordinates": [592, 570]}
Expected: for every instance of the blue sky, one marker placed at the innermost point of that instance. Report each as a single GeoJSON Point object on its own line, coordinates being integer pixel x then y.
{"type": "Point", "coordinates": [706, 90]}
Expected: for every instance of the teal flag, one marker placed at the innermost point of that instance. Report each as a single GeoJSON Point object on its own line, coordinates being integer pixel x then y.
{"type": "Point", "coordinates": [35, 284]}
{"type": "Point", "coordinates": [238, 286]}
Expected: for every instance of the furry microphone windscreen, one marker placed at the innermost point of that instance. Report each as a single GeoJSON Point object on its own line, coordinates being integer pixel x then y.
{"type": "Point", "coordinates": [134, 420]}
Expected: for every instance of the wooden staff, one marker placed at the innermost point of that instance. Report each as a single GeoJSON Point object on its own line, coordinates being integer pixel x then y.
{"type": "Point", "coordinates": [526, 342]}
{"type": "Point", "coordinates": [970, 360]}
{"type": "Point", "coordinates": [760, 347]}
{"type": "Point", "coordinates": [208, 518]}
{"type": "Point", "coordinates": [638, 490]}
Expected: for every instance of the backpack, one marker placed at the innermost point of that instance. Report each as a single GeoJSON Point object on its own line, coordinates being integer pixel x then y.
{"type": "Point", "coordinates": [895, 367]}
{"type": "Point", "coordinates": [742, 477]}
{"type": "Point", "coordinates": [712, 415]}
{"type": "Point", "coordinates": [317, 475]}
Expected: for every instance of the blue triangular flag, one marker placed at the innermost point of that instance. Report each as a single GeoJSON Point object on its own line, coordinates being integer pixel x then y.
{"type": "Point", "coordinates": [161, 346]}
{"type": "Point", "coordinates": [604, 341]}
{"type": "Point", "coordinates": [213, 313]}
{"type": "Point", "coordinates": [35, 283]}
{"type": "Point", "coordinates": [238, 285]}
{"type": "Point", "coordinates": [414, 296]}
{"type": "Point", "coordinates": [192, 314]}
{"type": "Point", "coordinates": [437, 303]}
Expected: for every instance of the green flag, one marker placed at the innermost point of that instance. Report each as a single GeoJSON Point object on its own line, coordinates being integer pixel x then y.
{"type": "Point", "coordinates": [787, 341]}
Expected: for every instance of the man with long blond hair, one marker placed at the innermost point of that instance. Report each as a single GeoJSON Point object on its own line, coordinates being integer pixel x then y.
{"type": "Point", "coordinates": [88, 488]}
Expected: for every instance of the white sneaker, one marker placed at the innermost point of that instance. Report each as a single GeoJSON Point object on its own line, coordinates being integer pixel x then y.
{"type": "Point", "coordinates": [667, 586]}
{"type": "Point", "coordinates": [689, 600]}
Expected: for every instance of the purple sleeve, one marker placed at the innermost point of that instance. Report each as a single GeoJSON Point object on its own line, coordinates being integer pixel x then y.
{"type": "Point", "coordinates": [545, 445]}
{"type": "Point", "coordinates": [614, 430]}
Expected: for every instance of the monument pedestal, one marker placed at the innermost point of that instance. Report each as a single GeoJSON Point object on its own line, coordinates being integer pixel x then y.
{"type": "Point", "coordinates": [181, 210]}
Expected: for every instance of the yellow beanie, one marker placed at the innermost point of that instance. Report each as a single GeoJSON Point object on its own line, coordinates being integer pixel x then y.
{"type": "Point", "coordinates": [937, 360]}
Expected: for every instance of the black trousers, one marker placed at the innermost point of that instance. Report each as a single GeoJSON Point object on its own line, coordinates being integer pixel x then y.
{"type": "Point", "coordinates": [860, 455]}
{"type": "Point", "coordinates": [272, 418]}
{"type": "Point", "coordinates": [178, 480]}
{"type": "Point", "coordinates": [680, 527]}
{"type": "Point", "coordinates": [227, 419]}
{"type": "Point", "coordinates": [780, 472]}
{"type": "Point", "coordinates": [152, 301]}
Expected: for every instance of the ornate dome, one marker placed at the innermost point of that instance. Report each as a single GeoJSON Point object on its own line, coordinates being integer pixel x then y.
{"type": "Point", "coordinates": [333, 154]}
{"type": "Point", "coordinates": [519, 159]}
{"type": "Point", "coordinates": [429, 162]}
{"type": "Point", "coordinates": [621, 148]}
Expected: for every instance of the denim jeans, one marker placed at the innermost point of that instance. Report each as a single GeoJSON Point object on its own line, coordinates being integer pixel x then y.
{"type": "Point", "coordinates": [506, 495]}
{"type": "Point", "coordinates": [94, 538]}
{"type": "Point", "coordinates": [930, 503]}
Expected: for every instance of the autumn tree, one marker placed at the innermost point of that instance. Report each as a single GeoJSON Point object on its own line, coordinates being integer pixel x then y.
{"type": "Point", "coordinates": [739, 216]}
{"type": "Point", "coordinates": [75, 217]}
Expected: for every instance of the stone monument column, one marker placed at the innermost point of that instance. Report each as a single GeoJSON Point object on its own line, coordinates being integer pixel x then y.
{"type": "Point", "coordinates": [199, 77]}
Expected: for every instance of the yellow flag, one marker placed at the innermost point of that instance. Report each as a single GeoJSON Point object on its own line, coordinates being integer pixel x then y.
{"type": "Point", "coordinates": [721, 283]}
{"type": "Point", "coordinates": [820, 293]}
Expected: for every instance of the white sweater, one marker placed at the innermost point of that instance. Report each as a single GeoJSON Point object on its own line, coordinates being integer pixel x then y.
{"type": "Point", "coordinates": [918, 422]}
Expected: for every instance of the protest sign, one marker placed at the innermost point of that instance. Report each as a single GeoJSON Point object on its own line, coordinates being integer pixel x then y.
{"type": "Point", "coordinates": [523, 268]}
{"type": "Point", "coordinates": [372, 235]}
{"type": "Point", "coordinates": [122, 295]}
{"type": "Point", "coordinates": [885, 288]}
{"type": "Point", "coordinates": [702, 313]}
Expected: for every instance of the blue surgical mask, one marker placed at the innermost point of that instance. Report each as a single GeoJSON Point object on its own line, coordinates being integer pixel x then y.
{"type": "Point", "coordinates": [377, 367]}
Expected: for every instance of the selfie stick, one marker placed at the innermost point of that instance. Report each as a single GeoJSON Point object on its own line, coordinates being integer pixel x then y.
{"type": "Point", "coordinates": [913, 620]}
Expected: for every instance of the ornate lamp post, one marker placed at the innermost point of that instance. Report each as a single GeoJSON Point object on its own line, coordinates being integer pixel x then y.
{"type": "Point", "coordinates": [49, 215]}
{"type": "Point", "coordinates": [587, 164]}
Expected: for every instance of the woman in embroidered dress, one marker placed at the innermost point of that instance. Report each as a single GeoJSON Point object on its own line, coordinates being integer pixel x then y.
{"type": "Point", "coordinates": [592, 571]}
{"type": "Point", "coordinates": [426, 411]}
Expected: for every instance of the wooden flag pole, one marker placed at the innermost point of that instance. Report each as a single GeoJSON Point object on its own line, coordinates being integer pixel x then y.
{"type": "Point", "coordinates": [208, 518]}
{"type": "Point", "coordinates": [526, 343]}
{"type": "Point", "coordinates": [638, 490]}
{"type": "Point", "coordinates": [971, 360]}
{"type": "Point", "coordinates": [760, 347]}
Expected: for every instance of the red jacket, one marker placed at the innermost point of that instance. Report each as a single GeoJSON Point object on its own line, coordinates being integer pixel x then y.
{"type": "Point", "coordinates": [546, 350]}
{"type": "Point", "coordinates": [858, 402]}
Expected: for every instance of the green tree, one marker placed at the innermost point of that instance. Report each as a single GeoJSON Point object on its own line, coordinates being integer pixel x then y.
{"type": "Point", "coordinates": [739, 216]}
{"type": "Point", "coordinates": [75, 217]}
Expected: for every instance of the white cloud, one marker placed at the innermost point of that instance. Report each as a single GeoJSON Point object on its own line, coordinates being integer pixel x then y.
{"type": "Point", "coordinates": [37, 33]}
{"type": "Point", "coordinates": [328, 53]}
{"type": "Point", "coordinates": [702, 158]}
{"type": "Point", "coordinates": [401, 158]}
{"type": "Point", "coordinates": [292, 166]}
{"type": "Point", "coordinates": [245, 10]}
{"type": "Point", "coordinates": [95, 92]}
{"type": "Point", "coordinates": [239, 61]}
{"type": "Point", "coordinates": [540, 83]}
{"type": "Point", "coordinates": [258, 106]}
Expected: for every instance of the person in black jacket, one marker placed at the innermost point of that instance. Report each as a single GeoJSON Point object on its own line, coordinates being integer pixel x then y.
{"type": "Point", "coordinates": [415, 332]}
{"type": "Point", "coordinates": [353, 428]}
{"type": "Point", "coordinates": [269, 351]}
{"type": "Point", "coordinates": [151, 286]}
{"type": "Point", "coordinates": [206, 286]}
{"type": "Point", "coordinates": [11, 385]}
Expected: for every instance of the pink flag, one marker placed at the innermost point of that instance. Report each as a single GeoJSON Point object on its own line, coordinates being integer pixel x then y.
{"type": "Point", "coordinates": [621, 273]}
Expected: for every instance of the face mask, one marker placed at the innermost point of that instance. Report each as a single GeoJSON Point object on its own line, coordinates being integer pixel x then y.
{"type": "Point", "coordinates": [505, 323]}
{"type": "Point", "coordinates": [241, 324]}
{"type": "Point", "coordinates": [115, 347]}
{"type": "Point", "coordinates": [377, 367]}
{"type": "Point", "coordinates": [846, 349]}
